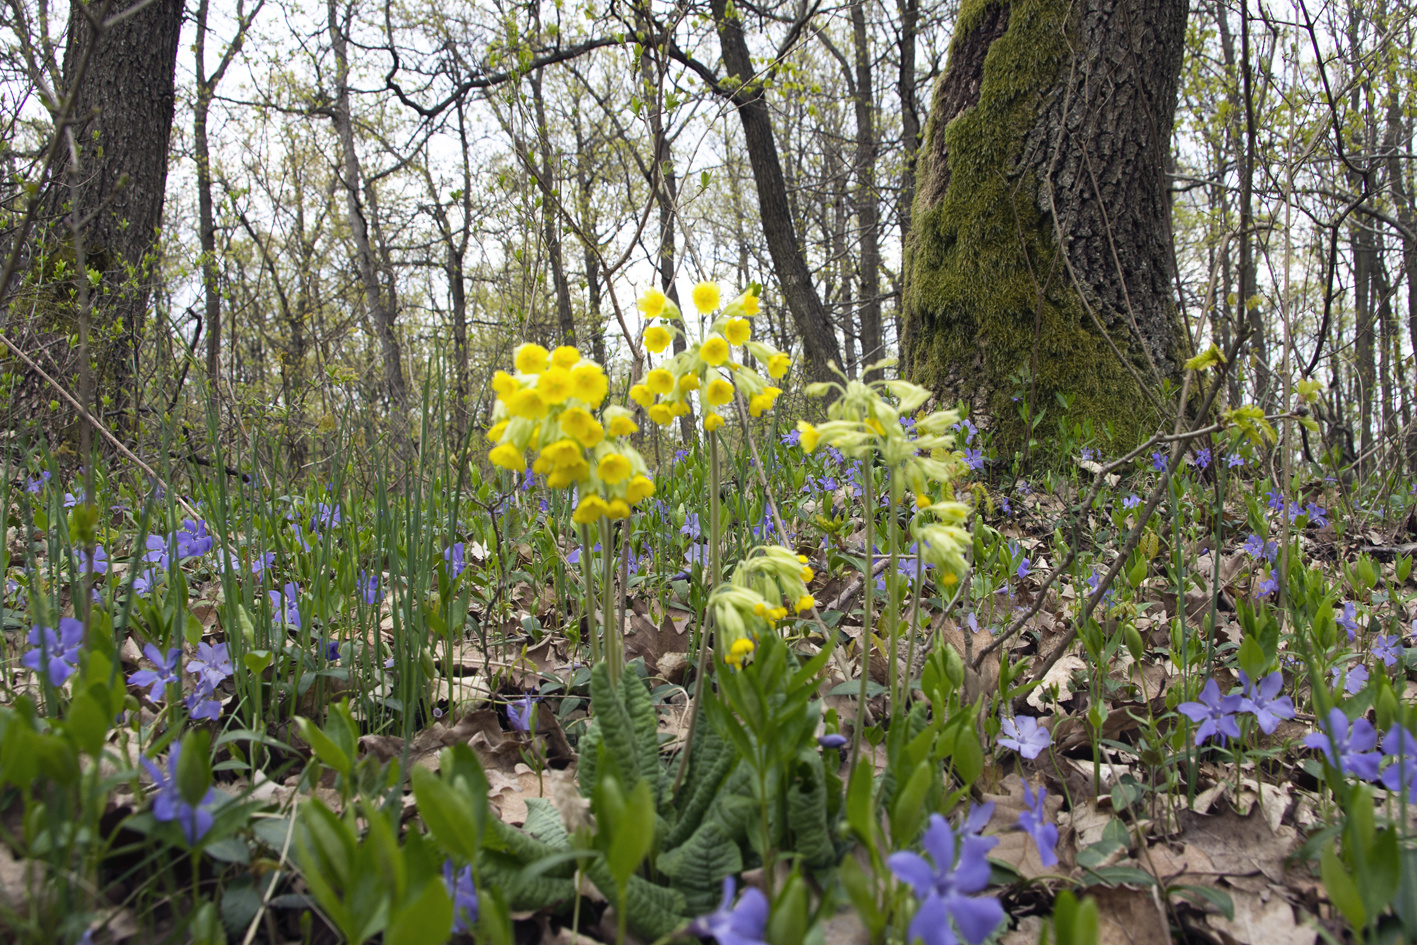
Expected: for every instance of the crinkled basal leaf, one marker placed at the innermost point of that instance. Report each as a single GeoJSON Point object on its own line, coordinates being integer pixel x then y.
{"type": "Point", "coordinates": [524, 890]}
{"type": "Point", "coordinates": [651, 911]}
{"type": "Point", "coordinates": [807, 812]}
{"type": "Point", "coordinates": [618, 732]}
{"type": "Point", "coordinates": [543, 821]}
{"type": "Point", "coordinates": [698, 867]}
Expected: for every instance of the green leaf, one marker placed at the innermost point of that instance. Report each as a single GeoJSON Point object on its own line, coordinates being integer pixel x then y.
{"type": "Point", "coordinates": [448, 814]}
{"type": "Point", "coordinates": [194, 766]}
{"type": "Point", "coordinates": [1215, 896]}
{"type": "Point", "coordinates": [427, 920]}
{"type": "Point", "coordinates": [1342, 891]}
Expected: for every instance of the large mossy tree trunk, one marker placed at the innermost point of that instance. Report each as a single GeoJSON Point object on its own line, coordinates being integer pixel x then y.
{"type": "Point", "coordinates": [1039, 259]}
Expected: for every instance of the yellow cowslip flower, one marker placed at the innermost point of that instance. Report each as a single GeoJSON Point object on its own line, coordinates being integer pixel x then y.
{"type": "Point", "coordinates": [778, 365]}
{"type": "Point", "coordinates": [737, 331]}
{"type": "Point", "coordinates": [807, 574]}
{"type": "Point", "coordinates": [688, 383]}
{"type": "Point", "coordinates": [580, 426]}
{"type": "Point", "coordinates": [749, 301]}
{"type": "Point", "coordinates": [661, 414]}
{"type": "Point", "coordinates": [809, 435]}
{"type": "Point", "coordinates": [712, 422]}
{"type": "Point", "coordinates": [639, 489]}
{"type": "Point", "coordinates": [561, 453]}
{"type": "Point", "coordinates": [652, 303]}
{"type": "Point", "coordinates": [763, 401]}
{"type": "Point", "coordinates": [497, 429]}
{"type": "Point", "coordinates": [590, 509]}
{"type": "Point", "coordinates": [613, 468]}
{"type": "Point", "coordinates": [679, 408]}
{"type": "Point", "coordinates": [554, 384]}
{"type": "Point", "coordinates": [714, 350]}
{"type": "Point", "coordinates": [588, 383]}
{"type": "Point", "coordinates": [526, 403]}
{"type": "Point", "coordinates": [563, 476]}
{"type": "Point", "coordinates": [642, 395]}
{"type": "Point", "coordinates": [805, 602]}
{"type": "Point", "coordinates": [505, 385]}
{"type": "Point", "coordinates": [659, 381]}
{"type": "Point", "coordinates": [777, 613]}
{"type": "Point", "coordinates": [706, 297]}
{"type": "Point", "coordinates": [531, 358]}
{"type": "Point", "coordinates": [657, 338]}
{"type": "Point", "coordinates": [508, 457]}
{"type": "Point", "coordinates": [741, 648]}
{"type": "Point", "coordinates": [621, 425]}
{"type": "Point", "coordinates": [617, 509]}
{"type": "Point", "coordinates": [565, 357]}
{"type": "Point", "coordinates": [718, 392]}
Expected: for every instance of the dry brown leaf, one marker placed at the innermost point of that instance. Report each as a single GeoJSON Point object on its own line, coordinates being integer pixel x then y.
{"type": "Point", "coordinates": [1015, 847]}
{"type": "Point", "coordinates": [1261, 920]}
{"type": "Point", "coordinates": [1129, 917]}
{"type": "Point", "coordinates": [1238, 846]}
{"type": "Point", "coordinates": [1060, 674]}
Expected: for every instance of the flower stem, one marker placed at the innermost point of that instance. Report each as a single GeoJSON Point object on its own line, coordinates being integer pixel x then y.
{"type": "Point", "coordinates": [892, 582]}
{"type": "Point", "coordinates": [614, 654]}
{"type": "Point", "coordinates": [868, 499]}
{"type": "Point", "coordinates": [588, 571]}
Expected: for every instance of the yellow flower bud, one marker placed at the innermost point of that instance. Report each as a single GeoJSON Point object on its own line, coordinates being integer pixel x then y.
{"type": "Point", "coordinates": [531, 359]}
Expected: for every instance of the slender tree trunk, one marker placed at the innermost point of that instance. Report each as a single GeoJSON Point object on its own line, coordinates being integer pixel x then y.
{"type": "Point", "coordinates": [1039, 238]}
{"type": "Point", "coordinates": [867, 200]}
{"type": "Point", "coordinates": [550, 225]}
{"type": "Point", "coordinates": [819, 341]}
{"type": "Point", "coordinates": [382, 305]}
{"type": "Point", "coordinates": [909, 11]}
{"type": "Point", "coordinates": [584, 183]}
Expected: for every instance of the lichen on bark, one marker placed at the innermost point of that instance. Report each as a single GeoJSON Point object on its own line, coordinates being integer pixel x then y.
{"type": "Point", "coordinates": [990, 307]}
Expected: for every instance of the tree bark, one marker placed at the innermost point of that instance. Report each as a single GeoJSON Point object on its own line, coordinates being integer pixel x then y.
{"type": "Point", "coordinates": [550, 227]}
{"type": "Point", "coordinates": [819, 343]}
{"type": "Point", "coordinates": [128, 96]}
{"type": "Point", "coordinates": [1038, 260]}
{"type": "Point", "coordinates": [867, 200]}
{"type": "Point", "coordinates": [382, 304]}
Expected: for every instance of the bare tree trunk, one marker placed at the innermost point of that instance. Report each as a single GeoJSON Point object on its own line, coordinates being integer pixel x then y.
{"type": "Point", "coordinates": [819, 341]}
{"type": "Point", "coordinates": [867, 200]}
{"type": "Point", "coordinates": [584, 183]}
{"type": "Point", "coordinates": [383, 306]}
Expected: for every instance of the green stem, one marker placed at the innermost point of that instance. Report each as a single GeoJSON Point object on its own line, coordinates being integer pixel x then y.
{"type": "Point", "coordinates": [614, 654]}
{"type": "Point", "coordinates": [715, 560]}
{"type": "Point", "coordinates": [892, 582]}
{"type": "Point", "coordinates": [588, 572]}
{"type": "Point", "coordinates": [868, 499]}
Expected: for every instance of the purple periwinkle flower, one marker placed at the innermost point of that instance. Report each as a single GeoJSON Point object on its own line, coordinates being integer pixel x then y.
{"type": "Point", "coordinates": [1158, 461]}
{"type": "Point", "coordinates": [944, 888]}
{"type": "Point", "coordinates": [285, 605]}
{"type": "Point", "coordinates": [1214, 712]}
{"type": "Point", "coordinates": [743, 924]}
{"type": "Point", "coordinates": [1034, 821]}
{"type": "Point", "coordinates": [1276, 500]}
{"type": "Point", "coordinates": [791, 438]}
{"type": "Point", "coordinates": [1268, 586]}
{"type": "Point", "coordinates": [464, 895]}
{"type": "Point", "coordinates": [1353, 680]}
{"type": "Point", "coordinates": [519, 713]}
{"type": "Point", "coordinates": [192, 539]}
{"type": "Point", "coordinates": [1021, 571]}
{"type": "Point", "coordinates": [1263, 701]}
{"type": "Point", "coordinates": [95, 561]}
{"type": "Point", "coordinates": [368, 585]}
{"type": "Point", "coordinates": [325, 516]}
{"type": "Point", "coordinates": [199, 707]}
{"type": "Point", "coordinates": [1234, 459]}
{"type": "Point", "coordinates": [37, 483]}
{"type": "Point", "coordinates": [1318, 515]}
{"type": "Point", "coordinates": [169, 804]}
{"type": "Point", "coordinates": [1348, 620]}
{"type": "Point", "coordinates": [1349, 749]}
{"type": "Point", "coordinates": [162, 677]}
{"type": "Point", "coordinates": [1024, 735]}
{"type": "Point", "coordinates": [1131, 501]}
{"type": "Point", "coordinates": [156, 552]}
{"type": "Point", "coordinates": [55, 654]}
{"type": "Point", "coordinates": [691, 525]}
{"type": "Point", "coordinates": [1202, 457]}
{"type": "Point", "coordinates": [212, 665]}
{"type": "Point", "coordinates": [968, 427]}
{"type": "Point", "coordinates": [1388, 648]}
{"type": "Point", "coordinates": [834, 740]}
{"type": "Point", "coordinates": [1401, 775]}
{"type": "Point", "coordinates": [974, 459]}
{"type": "Point", "coordinates": [1257, 547]}
{"type": "Point", "coordinates": [455, 556]}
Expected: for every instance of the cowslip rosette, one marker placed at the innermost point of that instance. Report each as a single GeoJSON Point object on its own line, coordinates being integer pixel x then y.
{"type": "Point", "coordinates": [707, 365]}
{"type": "Point", "coordinates": [551, 406]}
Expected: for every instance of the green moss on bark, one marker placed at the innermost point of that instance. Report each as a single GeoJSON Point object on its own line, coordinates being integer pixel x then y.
{"type": "Point", "coordinates": [978, 253]}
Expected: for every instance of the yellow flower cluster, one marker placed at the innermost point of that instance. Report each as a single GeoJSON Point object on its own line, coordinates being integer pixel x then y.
{"type": "Point", "coordinates": [550, 405]}
{"type": "Point", "coordinates": [707, 365]}
{"type": "Point", "coordinates": [764, 584]}
{"type": "Point", "coordinates": [861, 421]}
